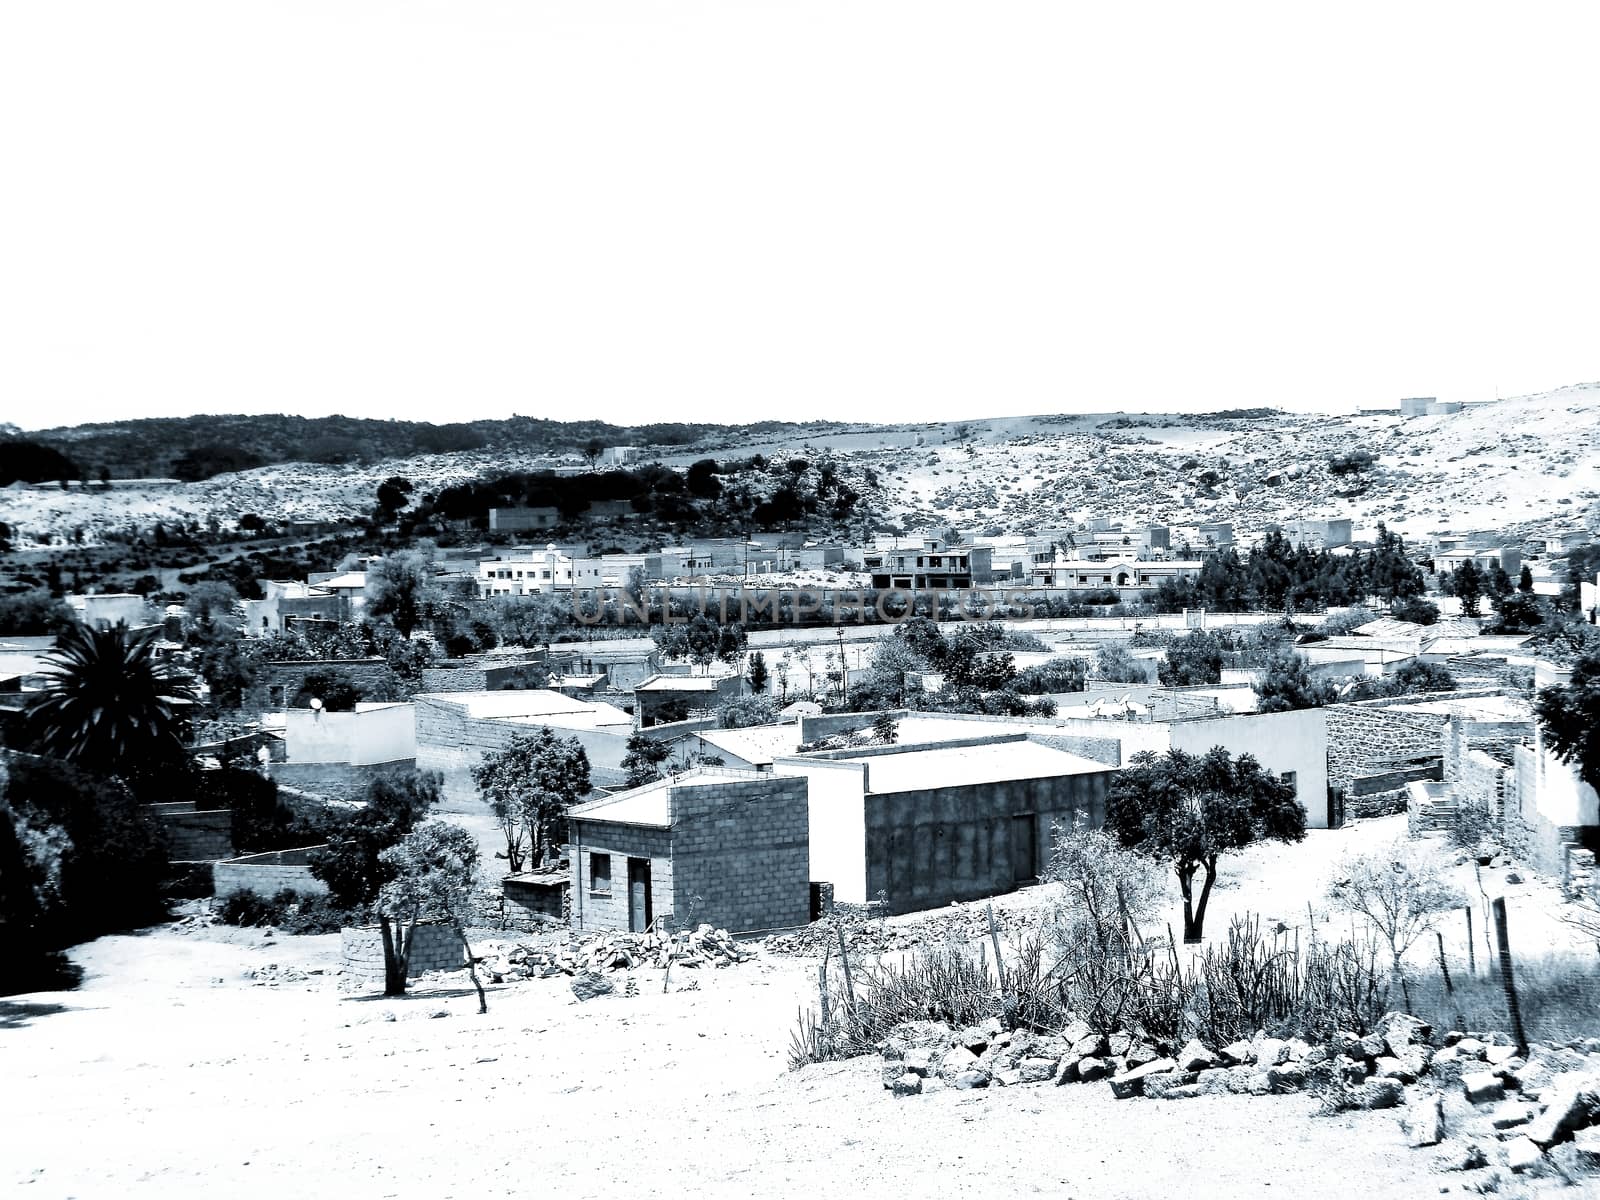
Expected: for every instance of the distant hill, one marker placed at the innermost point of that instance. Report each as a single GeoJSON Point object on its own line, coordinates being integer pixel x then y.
{"type": "Point", "coordinates": [199, 447]}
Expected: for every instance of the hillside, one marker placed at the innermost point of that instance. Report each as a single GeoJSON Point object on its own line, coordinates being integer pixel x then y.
{"type": "Point", "coordinates": [1522, 463]}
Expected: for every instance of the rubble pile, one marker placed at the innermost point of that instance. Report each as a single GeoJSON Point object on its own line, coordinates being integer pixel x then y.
{"type": "Point", "coordinates": [964, 923]}
{"type": "Point", "coordinates": [1473, 1097]}
{"type": "Point", "coordinates": [594, 953]}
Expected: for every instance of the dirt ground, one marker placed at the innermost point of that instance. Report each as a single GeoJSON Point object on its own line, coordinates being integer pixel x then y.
{"type": "Point", "coordinates": [179, 1068]}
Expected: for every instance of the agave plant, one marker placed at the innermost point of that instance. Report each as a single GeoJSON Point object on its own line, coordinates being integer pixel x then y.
{"type": "Point", "coordinates": [109, 705]}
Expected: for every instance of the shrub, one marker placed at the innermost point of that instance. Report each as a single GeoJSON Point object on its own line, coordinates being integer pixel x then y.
{"type": "Point", "coordinates": [286, 910]}
{"type": "Point", "coordinates": [1058, 675]}
{"type": "Point", "coordinates": [1114, 664]}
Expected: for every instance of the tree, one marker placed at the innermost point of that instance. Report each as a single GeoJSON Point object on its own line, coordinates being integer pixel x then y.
{"type": "Point", "coordinates": [1110, 889]}
{"type": "Point", "coordinates": [1525, 580]}
{"type": "Point", "coordinates": [885, 728]}
{"type": "Point", "coordinates": [643, 760]}
{"type": "Point", "coordinates": [1519, 611]}
{"type": "Point", "coordinates": [746, 711]}
{"type": "Point", "coordinates": [1416, 611]}
{"type": "Point", "coordinates": [757, 673]}
{"type": "Point", "coordinates": [394, 493]}
{"type": "Point", "coordinates": [1569, 714]}
{"type": "Point", "coordinates": [431, 871]}
{"type": "Point", "coordinates": [782, 672]}
{"type": "Point", "coordinates": [1192, 660]}
{"type": "Point", "coordinates": [1287, 684]}
{"type": "Point", "coordinates": [351, 864]}
{"type": "Point", "coordinates": [400, 589]}
{"type": "Point", "coordinates": [34, 614]}
{"type": "Point", "coordinates": [335, 687]}
{"type": "Point", "coordinates": [108, 704]}
{"type": "Point", "coordinates": [532, 621]}
{"type": "Point", "coordinates": [529, 785]}
{"type": "Point", "coordinates": [1189, 810]}
{"type": "Point", "coordinates": [592, 450]}
{"type": "Point", "coordinates": [211, 602]}
{"type": "Point", "coordinates": [1468, 587]}
{"type": "Point", "coordinates": [1115, 664]}
{"type": "Point", "coordinates": [1402, 890]}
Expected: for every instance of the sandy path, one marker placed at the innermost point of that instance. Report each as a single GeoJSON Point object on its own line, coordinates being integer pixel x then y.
{"type": "Point", "coordinates": [155, 1080]}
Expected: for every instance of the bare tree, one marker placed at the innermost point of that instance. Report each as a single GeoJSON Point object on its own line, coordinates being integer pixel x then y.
{"type": "Point", "coordinates": [1402, 890]}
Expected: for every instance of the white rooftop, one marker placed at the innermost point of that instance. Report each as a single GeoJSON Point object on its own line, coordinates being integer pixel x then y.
{"type": "Point", "coordinates": [678, 683]}
{"type": "Point", "coordinates": [652, 803]}
{"type": "Point", "coordinates": [757, 745]}
{"type": "Point", "coordinates": [533, 702]}
{"type": "Point", "coordinates": [960, 766]}
{"type": "Point", "coordinates": [350, 579]}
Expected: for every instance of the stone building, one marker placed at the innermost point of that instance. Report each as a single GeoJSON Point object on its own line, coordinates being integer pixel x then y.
{"type": "Point", "coordinates": [722, 847]}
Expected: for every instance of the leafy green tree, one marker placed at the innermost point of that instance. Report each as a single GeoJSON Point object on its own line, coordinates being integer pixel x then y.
{"type": "Point", "coordinates": [757, 672]}
{"type": "Point", "coordinates": [1468, 587]}
{"type": "Point", "coordinates": [534, 621]}
{"type": "Point", "coordinates": [400, 590]}
{"type": "Point", "coordinates": [1518, 612]}
{"type": "Point", "coordinates": [1415, 610]}
{"type": "Point", "coordinates": [109, 705]}
{"type": "Point", "coordinates": [334, 686]}
{"type": "Point", "coordinates": [746, 711]}
{"type": "Point", "coordinates": [1569, 714]}
{"type": "Point", "coordinates": [1525, 580]}
{"type": "Point", "coordinates": [1390, 572]}
{"type": "Point", "coordinates": [529, 785]}
{"type": "Point", "coordinates": [34, 614]}
{"type": "Point", "coordinates": [1189, 810]}
{"type": "Point", "coordinates": [431, 874]}
{"type": "Point", "coordinates": [1192, 660]}
{"type": "Point", "coordinates": [352, 862]}
{"type": "Point", "coordinates": [1287, 684]}
{"type": "Point", "coordinates": [394, 493]}
{"type": "Point", "coordinates": [1115, 664]}
{"type": "Point", "coordinates": [1064, 674]}
{"type": "Point", "coordinates": [643, 759]}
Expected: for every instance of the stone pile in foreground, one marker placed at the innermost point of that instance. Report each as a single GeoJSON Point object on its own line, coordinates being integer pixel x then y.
{"type": "Point", "coordinates": [1471, 1100]}
{"type": "Point", "coordinates": [597, 953]}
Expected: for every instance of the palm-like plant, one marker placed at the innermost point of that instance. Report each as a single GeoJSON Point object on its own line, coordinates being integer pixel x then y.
{"type": "Point", "coordinates": [110, 705]}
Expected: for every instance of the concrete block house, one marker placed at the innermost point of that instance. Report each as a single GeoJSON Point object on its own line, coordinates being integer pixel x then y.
{"type": "Point", "coordinates": [722, 847]}
{"type": "Point", "coordinates": [923, 826]}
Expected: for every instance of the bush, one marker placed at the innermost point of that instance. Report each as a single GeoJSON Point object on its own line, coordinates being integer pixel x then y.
{"type": "Point", "coordinates": [1057, 675]}
{"type": "Point", "coordinates": [1115, 665]}
{"type": "Point", "coordinates": [287, 910]}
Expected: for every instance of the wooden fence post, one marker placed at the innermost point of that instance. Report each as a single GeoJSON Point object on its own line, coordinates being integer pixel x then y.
{"type": "Point", "coordinates": [1507, 979]}
{"type": "Point", "coordinates": [1472, 953]}
{"type": "Point", "coordinates": [1000, 970]}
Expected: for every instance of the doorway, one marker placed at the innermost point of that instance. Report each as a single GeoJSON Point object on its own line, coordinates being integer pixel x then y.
{"type": "Point", "coordinates": [1024, 849]}
{"type": "Point", "coordinates": [639, 909]}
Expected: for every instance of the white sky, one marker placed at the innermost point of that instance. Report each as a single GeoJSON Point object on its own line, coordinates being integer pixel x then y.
{"type": "Point", "coordinates": [740, 209]}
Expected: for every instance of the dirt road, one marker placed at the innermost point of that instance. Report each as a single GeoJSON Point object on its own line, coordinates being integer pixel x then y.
{"type": "Point", "coordinates": [171, 1074]}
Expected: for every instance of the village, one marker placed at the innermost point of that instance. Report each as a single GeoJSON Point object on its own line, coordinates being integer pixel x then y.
{"type": "Point", "coordinates": [617, 815]}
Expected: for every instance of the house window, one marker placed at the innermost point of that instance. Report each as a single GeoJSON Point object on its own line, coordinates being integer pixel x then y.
{"type": "Point", "coordinates": [600, 874]}
{"type": "Point", "coordinates": [1289, 778]}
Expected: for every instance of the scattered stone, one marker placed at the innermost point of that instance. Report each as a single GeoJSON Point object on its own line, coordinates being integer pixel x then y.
{"type": "Point", "coordinates": [1499, 1056]}
{"type": "Point", "coordinates": [1378, 1093]}
{"type": "Point", "coordinates": [1238, 1054]}
{"type": "Point", "coordinates": [1119, 1044]}
{"type": "Point", "coordinates": [1142, 1054]}
{"type": "Point", "coordinates": [1076, 1032]}
{"type": "Point", "coordinates": [1298, 1050]}
{"type": "Point", "coordinates": [1036, 1070]}
{"type": "Point", "coordinates": [956, 1062]}
{"type": "Point", "coordinates": [1424, 1121]}
{"type": "Point", "coordinates": [919, 1061]}
{"type": "Point", "coordinates": [1271, 1051]}
{"type": "Point", "coordinates": [1195, 1057]}
{"type": "Point", "coordinates": [586, 985]}
{"type": "Point", "coordinates": [1522, 1155]}
{"type": "Point", "coordinates": [1286, 1077]}
{"type": "Point", "coordinates": [1178, 1085]}
{"type": "Point", "coordinates": [1460, 1156]}
{"type": "Point", "coordinates": [1586, 1142]}
{"type": "Point", "coordinates": [1508, 1114]}
{"type": "Point", "coordinates": [968, 1080]}
{"type": "Point", "coordinates": [1483, 1087]}
{"type": "Point", "coordinates": [974, 1039]}
{"type": "Point", "coordinates": [1573, 1103]}
{"type": "Point", "coordinates": [1470, 1047]}
{"type": "Point", "coordinates": [907, 1085]}
{"type": "Point", "coordinates": [1091, 1069]}
{"type": "Point", "coordinates": [1090, 1046]}
{"type": "Point", "coordinates": [1131, 1082]}
{"type": "Point", "coordinates": [1399, 1030]}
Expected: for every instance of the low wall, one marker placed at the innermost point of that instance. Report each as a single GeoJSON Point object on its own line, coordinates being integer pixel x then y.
{"type": "Point", "coordinates": [267, 874]}
{"type": "Point", "coordinates": [337, 781]}
{"type": "Point", "coordinates": [434, 948]}
{"type": "Point", "coordinates": [195, 835]}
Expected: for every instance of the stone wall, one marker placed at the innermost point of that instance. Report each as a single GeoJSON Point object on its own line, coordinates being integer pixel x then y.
{"type": "Point", "coordinates": [371, 673]}
{"type": "Point", "coordinates": [267, 874]}
{"type": "Point", "coordinates": [194, 836]}
{"type": "Point", "coordinates": [484, 677]}
{"type": "Point", "coordinates": [434, 948]}
{"type": "Point", "coordinates": [1372, 737]}
{"type": "Point", "coordinates": [336, 781]}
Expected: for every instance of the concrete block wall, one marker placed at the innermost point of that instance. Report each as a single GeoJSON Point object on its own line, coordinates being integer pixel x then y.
{"type": "Point", "coordinates": [434, 948]}
{"type": "Point", "coordinates": [930, 847]}
{"type": "Point", "coordinates": [741, 853]}
{"type": "Point", "coordinates": [593, 909]}
{"type": "Point", "coordinates": [267, 874]}
{"type": "Point", "coordinates": [336, 781]}
{"type": "Point", "coordinates": [195, 836]}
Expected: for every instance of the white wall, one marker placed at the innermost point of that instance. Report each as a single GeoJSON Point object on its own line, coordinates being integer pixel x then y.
{"type": "Point", "coordinates": [377, 734]}
{"type": "Point", "coordinates": [1288, 741]}
{"type": "Point", "coordinates": [838, 815]}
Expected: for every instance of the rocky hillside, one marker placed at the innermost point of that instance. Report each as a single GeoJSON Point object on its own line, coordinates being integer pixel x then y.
{"type": "Point", "coordinates": [1525, 463]}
